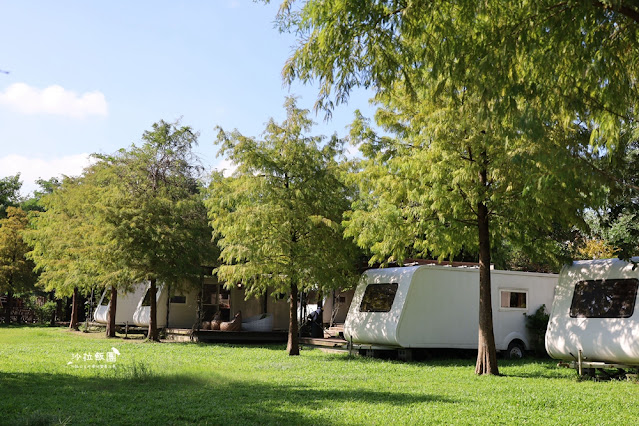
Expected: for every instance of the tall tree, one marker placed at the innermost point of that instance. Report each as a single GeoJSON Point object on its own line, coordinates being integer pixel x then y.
{"type": "Point", "coordinates": [278, 218]}
{"type": "Point", "coordinates": [495, 62]}
{"type": "Point", "coordinates": [448, 183]}
{"type": "Point", "coordinates": [66, 242]}
{"type": "Point", "coordinates": [153, 211]}
{"type": "Point", "coordinates": [16, 271]}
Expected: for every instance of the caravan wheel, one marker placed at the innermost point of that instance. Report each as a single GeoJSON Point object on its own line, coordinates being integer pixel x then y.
{"type": "Point", "coordinates": [515, 350]}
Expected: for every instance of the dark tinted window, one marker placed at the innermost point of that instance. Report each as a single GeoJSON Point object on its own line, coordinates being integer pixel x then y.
{"type": "Point", "coordinates": [614, 298]}
{"type": "Point", "coordinates": [178, 299]}
{"type": "Point", "coordinates": [147, 298]}
{"type": "Point", "coordinates": [378, 298]}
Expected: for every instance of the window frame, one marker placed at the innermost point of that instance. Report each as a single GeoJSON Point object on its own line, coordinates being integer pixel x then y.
{"type": "Point", "coordinates": [514, 290]}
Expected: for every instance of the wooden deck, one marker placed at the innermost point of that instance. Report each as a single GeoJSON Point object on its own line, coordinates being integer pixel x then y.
{"type": "Point", "coordinates": [256, 337]}
{"type": "Point", "coordinates": [336, 343]}
{"type": "Point", "coordinates": [215, 336]}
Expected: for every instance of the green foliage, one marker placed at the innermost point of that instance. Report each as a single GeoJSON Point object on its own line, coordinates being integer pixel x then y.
{"type": "Point", "coordinates": [230, 384]}
{"type": "Point", "coordinates": [537, 324]}
{"type": "Point", "coordinates": [66, 238]}
{"type": "Point", "coordinates": [46, 187]}
{"type": "Point", "coordinates": [152, 209]}
{"type": "Point", "coordinates": [16, 271]}
{"type": "Point", "coordinates": [277, 220]}
{"type": "Point", "coordinates": [616, 222]}
{"type": "Point", "coordinates": [132, 216]}
{"type": "Point", "coordinates": [9, 193]}
{"type": "Point", "coordinates": [571, 57]}
{"type": "Point", "coordinates": [420, 191]}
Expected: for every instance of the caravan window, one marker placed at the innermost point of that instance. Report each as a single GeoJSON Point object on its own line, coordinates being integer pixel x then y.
{"type": "Point", "coordinates": [604, 298]}
{"type": "Point", "coordinates": [378, 298]}
{"type": "Point", "coordinates": [511, 299]}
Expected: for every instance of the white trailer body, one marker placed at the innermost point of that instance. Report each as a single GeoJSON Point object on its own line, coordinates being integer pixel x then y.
{"type": "Point", "coordinates": [126, 305]}
{"type": "Point", "coordinates": [595, 312]}
{"type": "Point", "coordinates": [432, 306]}
{"type": "Point", "coordinates": [182, 308]}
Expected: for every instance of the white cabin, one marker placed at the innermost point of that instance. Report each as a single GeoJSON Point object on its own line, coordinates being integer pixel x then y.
{"type": "Point", "coordinates": [182, 307]}
{"type": "Point", "coordinates": [126, 305]}
{"type": "Point", "coordinates": [595, 312]}
{"type": "Point", "coordinates": [432, 306]}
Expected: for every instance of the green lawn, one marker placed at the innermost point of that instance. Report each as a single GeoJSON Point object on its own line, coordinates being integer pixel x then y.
{"type": "Point", "coordinates": [177, 383]}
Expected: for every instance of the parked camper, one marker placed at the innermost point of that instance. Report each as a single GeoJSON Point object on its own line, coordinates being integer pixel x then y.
{"type": "Point", "coordinates": [432, 306]}
{"type": "Point", "coordinates": [594, 315]}
{"type": "Point", "coordinates": [126, 305]}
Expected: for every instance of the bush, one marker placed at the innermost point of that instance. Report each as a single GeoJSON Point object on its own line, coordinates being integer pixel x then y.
{"type": "Point", "coordinates": [537, 324]}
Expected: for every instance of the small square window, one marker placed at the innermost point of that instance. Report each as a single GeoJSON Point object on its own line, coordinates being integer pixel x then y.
{"type": "Point", "coordinates": [511, 299]}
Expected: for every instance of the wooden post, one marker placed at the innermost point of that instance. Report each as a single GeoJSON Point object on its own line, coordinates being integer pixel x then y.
{"type": "Point", "coordinates": [579, 361]}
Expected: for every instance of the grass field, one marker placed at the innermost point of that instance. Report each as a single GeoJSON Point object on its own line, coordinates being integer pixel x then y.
{"type": "Point", "coordinates": [45, 379]}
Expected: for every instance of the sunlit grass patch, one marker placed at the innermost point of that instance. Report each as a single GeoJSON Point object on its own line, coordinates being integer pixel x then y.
{"type": "Point", "coordinates": [184, 383]}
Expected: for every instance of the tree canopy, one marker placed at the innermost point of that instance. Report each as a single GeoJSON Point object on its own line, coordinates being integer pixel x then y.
{"type": "Point", "coordinates": [277, 219]}
{"type": "Point", "coordinates": [9, 193]}
{"type": "Point", "coordinates": [578, 58]}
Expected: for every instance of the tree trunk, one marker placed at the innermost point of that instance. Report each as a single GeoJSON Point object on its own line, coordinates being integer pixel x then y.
{"type": "Point", "coordinates": [58, 309]}
{"type": "Point", "coordinates": [153, 322]}
{"type": "Point", "coordinates": [8, 306]}
{"type": "Point", "coordinates": [486, 351]}
{"type": "Point", "coordinates": [75, 302]}
{"type": "Point", "coordinates": [293, 345]}
{"type": "Point", "coordinates": [110, 331]}
{"type": "Point", "coordinates": [54, 312]}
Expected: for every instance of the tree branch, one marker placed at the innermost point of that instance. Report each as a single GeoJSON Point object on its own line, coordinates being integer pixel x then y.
{"type": "Point", "coordinates": [627, 11]}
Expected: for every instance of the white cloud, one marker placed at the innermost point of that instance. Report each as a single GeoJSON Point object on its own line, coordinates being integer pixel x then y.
{"type": "Point", "coordinates": [31, 169]}
{"type": "Point", "coordinates": [226, 167]}
{"type": "Point", "coordinates": [55, 100]}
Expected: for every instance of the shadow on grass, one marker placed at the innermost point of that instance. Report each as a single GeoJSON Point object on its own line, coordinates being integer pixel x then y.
{"type": "Point", "coordinates": [142, 397]}
{"type": "Point", "coordinates": [529, 367]}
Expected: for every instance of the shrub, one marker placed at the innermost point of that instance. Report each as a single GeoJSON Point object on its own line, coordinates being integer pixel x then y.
{"type": "Point", "coordinates": [537, 324]}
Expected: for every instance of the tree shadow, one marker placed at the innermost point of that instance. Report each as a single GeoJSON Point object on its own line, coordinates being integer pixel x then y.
{"type": "Point", "coordinates": [132, 397]}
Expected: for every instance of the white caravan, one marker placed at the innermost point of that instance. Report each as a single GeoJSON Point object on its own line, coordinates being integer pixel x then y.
{"type": "Point", "coordinates": [594, 316]}
{"type": "Point", "coordinates": [432, 306]}
{"type": "Point", "coordinates": [126, 305]}
{"type": "Point", "coordinates": [182, 307]}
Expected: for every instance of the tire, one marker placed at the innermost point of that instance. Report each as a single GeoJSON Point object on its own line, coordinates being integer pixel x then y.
{"type": "Point", "coordinates": [515, 350]}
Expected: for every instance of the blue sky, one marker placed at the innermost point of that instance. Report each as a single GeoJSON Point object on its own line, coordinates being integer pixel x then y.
{"type": "Point", "coordinates": [89, 77]}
